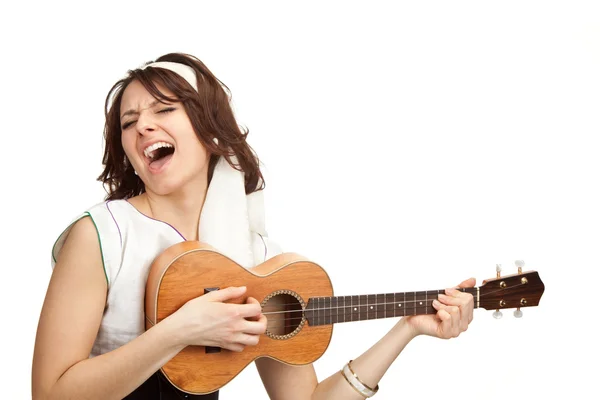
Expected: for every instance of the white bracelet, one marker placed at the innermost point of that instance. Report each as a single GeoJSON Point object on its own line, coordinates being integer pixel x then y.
{"type": "Point", "coordinates": [356, 383]}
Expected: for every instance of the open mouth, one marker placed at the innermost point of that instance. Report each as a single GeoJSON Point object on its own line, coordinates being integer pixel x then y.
{"type": "Point", "coordinates": [159, 154]}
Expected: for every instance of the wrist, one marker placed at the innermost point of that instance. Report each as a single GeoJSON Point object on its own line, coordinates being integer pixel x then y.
{"type": "Point", "coordinates": [171, 332]}
{"type": "Point", "coordinates": [406, 329]}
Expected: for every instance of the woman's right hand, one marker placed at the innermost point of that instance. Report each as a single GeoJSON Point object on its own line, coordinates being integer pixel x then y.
{"type": "Point", "coordinates": [208, 321]}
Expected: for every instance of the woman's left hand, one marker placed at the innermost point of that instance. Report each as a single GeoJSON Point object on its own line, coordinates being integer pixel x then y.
{"type": "Point", "coordinates": [454, 314]}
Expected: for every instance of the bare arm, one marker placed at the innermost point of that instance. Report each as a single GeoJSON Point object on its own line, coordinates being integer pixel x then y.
{"type": "Point", "coordinates": [282, 381]}
{"type": "Point", "coordinates": [72, 314]}
{"type": "Point", "coordinates": [68, 325]}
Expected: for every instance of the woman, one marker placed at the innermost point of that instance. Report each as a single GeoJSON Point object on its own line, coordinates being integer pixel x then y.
{"type": "Point", "coordinates": [177, 167]}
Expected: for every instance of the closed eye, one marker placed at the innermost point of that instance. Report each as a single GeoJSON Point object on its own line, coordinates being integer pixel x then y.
{"type": "Point", "coordinates": [167, 110]}
{"type": "Point", "coordinates": [127, 125]}
{"type": "Point", "coordinates": [163, 111]}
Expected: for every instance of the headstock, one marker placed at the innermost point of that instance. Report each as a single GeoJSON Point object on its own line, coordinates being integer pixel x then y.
{"type": "Point", "coordinates": [523, 289]}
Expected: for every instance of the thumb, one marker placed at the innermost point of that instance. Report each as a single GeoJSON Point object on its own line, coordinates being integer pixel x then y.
{"type": "Point", "coordinates": [251, 300]}
{"type": "Point", "coordinates": [221, 295]}
{"type": "Point", "coordinates": [468, 283]}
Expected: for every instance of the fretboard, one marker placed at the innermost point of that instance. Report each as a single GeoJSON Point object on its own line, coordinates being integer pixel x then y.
{"type": "Point", "coordinates": [330, 310]}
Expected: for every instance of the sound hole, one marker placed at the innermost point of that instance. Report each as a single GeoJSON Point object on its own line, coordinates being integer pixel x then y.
{"type": "Point", "coordinates": [284, 315]}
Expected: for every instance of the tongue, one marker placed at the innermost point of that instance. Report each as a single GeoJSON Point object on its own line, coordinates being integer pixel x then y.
{"type": "Point", "coordinates": [160, 162]}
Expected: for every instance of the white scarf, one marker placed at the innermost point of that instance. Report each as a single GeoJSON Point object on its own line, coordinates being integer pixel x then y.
{"type": "Point", "coordinates": [229, 217]}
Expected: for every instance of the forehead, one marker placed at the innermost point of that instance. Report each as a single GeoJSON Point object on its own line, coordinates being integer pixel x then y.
{"type": "Point", "coordinates": [135, 96]}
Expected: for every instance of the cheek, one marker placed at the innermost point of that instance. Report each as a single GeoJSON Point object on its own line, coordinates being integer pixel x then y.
{"type": "Point", "coordinates": [195, 152]}
{"type": "Point", "coordinates": [128, 143]}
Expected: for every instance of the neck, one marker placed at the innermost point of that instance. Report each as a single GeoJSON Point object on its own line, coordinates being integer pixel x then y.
{"type": "Point", "coordinates": [181, 208]}
{"type": "Point", "coordinates": [329, 310]}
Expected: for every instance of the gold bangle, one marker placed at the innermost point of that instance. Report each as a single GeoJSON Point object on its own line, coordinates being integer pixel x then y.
{"type": "Point", "coordinates": [356, 383]}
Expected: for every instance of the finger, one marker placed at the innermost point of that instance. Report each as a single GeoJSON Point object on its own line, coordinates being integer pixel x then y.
{"type": "Point", "coordinates": [225, 294]}
{"type": "Point", "coordinates": [464, 301]}
{"type": "Point", "coordinates": [451, 300]}
{"type": "Point", "coordinates": [246, 340]}
{"type": "Point", "coordinates": [455, 313]}
{"type": "Point", "coordinates": [252, 310]}
{"type": "Point", "coordinates": [263, 320]}
{"type": "Point", "coordinates": [463, 297]}
{"type": "Point", "coordinates": [234, 347]}
{"type": "Point", "coordinates": [255, 327]}
{"type": "Point", "coordinates": [444, 311]}
{"type": "Point", "coordinates": [450, 319]}
{"type": "Point", "coordinates": [467, 283]}
{"type": "Point", "coordinates": [252, 300]}
{"type": "Point", "coordinates": [445, 325]}
{"type": "Point", "coordinates": [444, 316]}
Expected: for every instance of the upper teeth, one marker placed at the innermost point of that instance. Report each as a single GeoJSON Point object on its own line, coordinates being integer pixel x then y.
{"type": "Point", "coordinates": [150, 149]}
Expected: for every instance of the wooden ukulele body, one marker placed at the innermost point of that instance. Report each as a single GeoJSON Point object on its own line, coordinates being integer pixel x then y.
{"type": "Point", "coordinates": [285, 283]}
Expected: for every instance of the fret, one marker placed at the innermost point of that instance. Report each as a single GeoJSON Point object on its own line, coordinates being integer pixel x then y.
{"type": "Point", "coordinates": [309, 313]}
{"type": "Point", "coordinates": [354, 310]}
{"type": "Point", "coordinates": [335, 311]}
{"type": "Point", "coordinates": [371, 306]}
{"type": "Point", "coordinates": [389, 305]}
{"type": "Point", "coordinates": [348, 308]}
{"type": "Point", "coordinates": [409, 303]}
{"type": "Point", "coordinates": [398, 308]}
{"type": "Point", "coordinates": [318, 311]}
{"type": "Point", "coordinates": [362, 308]}
{"type": "Point", "coordinates": [420, 305]}
{"type": "Point", "coordinates": [431, 296]}
{"type": "Point", "coordinates": [327, 310]}
{"type": "Point", "coordinates": [380, 306]}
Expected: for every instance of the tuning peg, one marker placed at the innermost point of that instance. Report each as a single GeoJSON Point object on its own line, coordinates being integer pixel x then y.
{"type": "Point", "coordinates": [498, 314]}
{"type": "Point", "coordinates": [518, 313]}
{"type": "Point", "coordinates": [520, 264]}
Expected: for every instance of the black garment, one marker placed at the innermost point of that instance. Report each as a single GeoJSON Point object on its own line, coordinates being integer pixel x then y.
{"type": "Point", "coordinates": [157, 387]}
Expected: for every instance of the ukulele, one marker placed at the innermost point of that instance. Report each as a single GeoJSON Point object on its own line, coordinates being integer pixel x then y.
{"type": "Point", "coordinates": [296, 296]}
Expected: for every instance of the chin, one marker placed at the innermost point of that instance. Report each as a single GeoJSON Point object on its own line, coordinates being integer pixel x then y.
{"type": "Point", "coordinates": [164, 189]}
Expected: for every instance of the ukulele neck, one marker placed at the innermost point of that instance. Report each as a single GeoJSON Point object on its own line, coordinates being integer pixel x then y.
{"type": "Point", "coordinates": [330, 310]}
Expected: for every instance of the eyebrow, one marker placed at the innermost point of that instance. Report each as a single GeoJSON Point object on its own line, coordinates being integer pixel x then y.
{"type": "Point", "coordinates": [133, 112]}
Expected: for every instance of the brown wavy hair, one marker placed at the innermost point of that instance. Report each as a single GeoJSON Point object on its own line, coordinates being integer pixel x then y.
{"type": "Point", "coordinates": [209, 111]}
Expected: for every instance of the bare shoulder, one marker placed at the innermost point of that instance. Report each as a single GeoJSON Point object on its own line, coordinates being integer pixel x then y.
{"type": "Point", "coordinates": [82, 239]}
{"type": "Point", "coordinates": [73, 306]}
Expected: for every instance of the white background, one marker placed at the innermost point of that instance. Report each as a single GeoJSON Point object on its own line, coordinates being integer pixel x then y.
{"type": "Point", "coordinates": [407, 147]}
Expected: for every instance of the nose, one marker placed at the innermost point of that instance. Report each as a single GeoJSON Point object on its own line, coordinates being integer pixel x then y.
{"type": "Point", "coordinates": [145, 123]}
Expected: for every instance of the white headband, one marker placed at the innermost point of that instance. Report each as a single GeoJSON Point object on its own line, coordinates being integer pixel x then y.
{"type": "Point", "coordinates": [182, 70]}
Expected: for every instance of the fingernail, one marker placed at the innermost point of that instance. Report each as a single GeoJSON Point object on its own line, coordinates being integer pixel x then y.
{"type": "Point", "coordinates": [436, 303]}
{"type": "Point", "coordinates": [448, 291]}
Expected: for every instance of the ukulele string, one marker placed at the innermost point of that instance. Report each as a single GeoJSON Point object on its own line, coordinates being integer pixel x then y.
{"type": "Point", "coordinates": [338, 306]}
{"type": "Point", "coordinates": [277, 306]}
{"type": "Point", "coordinates": [388, 302]}
{"type": "Point", "coordinates": [359, 306]}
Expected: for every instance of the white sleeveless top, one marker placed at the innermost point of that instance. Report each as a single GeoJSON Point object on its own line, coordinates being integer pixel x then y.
{"type": "Point", "coordinates": [129, 243]}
